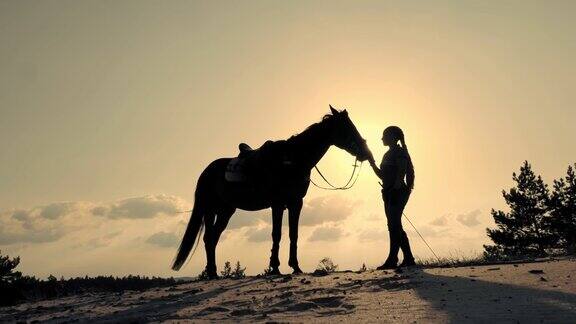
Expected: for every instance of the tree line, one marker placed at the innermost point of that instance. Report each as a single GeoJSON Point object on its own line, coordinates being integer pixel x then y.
{"type": "Point", "coordinates": [15, 287]}
{"type": "Point", "coordinates": [540, 221]}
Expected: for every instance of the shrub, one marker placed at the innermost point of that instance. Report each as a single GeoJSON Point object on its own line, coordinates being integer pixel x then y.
{"type": "Point", "coordinates": [266, 272]}
{"type": "Point", "coordinates": [238, 272]}
{"type": "Point", "coordinates": [203, 276]}
{"type": "Point", "coordinates": [227, 272]}
{"type": "Point", "coordinates": [326, 264]}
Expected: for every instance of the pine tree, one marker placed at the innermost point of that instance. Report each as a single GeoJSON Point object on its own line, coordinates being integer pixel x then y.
{"type": "Point", "coordinates": [9, 291]}
{"type": "Point", "coordinates": [563, 210]}
{"type": "Point", "coordinates": [7, 266]}
{"type": "Point", "coordinates": [523, 230]}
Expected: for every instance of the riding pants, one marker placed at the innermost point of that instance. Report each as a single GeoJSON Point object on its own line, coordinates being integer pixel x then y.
{"type": "Point", "coordinates": [394, 202]}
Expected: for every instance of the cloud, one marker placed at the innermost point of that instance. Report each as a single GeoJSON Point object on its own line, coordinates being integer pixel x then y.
{"type": "Point", "coordinates": [326, 233]}
{"type": "Point", "coordinates": [50, 235]}
{"type": "Point", "coordinates": [99, 211]}
{"type": "Point", "coordinates": [51, 222]}
{"type": "Point", "coordinates": [440, 221]}
{"type": "Point", "coordinates": [163, 239]}
{"type": "Point", "coordinates": [326, 209]}
{"type": "Point", "coordinates": [100, 241]}
{"type": "Point", "coordinates": [242, 218]}
{"type": "Point", "coordinates": [40, 224]}
{"type": "Point", "coordinates": [469, 219]}
{"type": "Point", "coordinates": [141, 207]}
{"type": "Point", "coordinates": [374, 217]}
{"type": "Point", "coordinates": [372, 235]}
{"type": "Point", "coordinates": [21, 215]}
{"type": "Point", "coordinates": [56, 210]}
{"type": "Point", "coordinates": [259, 234]}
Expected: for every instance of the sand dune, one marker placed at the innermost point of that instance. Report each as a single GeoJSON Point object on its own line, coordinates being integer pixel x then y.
{"type": "Point", "coordinates": [501, 293]}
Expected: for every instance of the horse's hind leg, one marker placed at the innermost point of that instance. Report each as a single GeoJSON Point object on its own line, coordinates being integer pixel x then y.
{"type": "Point", "coordinates": [212, 234]}
{"type": "Point", "coordinates": [222, 218]}
{"type": "Point", "coordinates": [210, 244]}
{"type": "Point", "coordinates": [277, 212]}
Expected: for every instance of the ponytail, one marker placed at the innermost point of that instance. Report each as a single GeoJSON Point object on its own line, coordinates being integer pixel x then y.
{"type": "Point", "coordinates": [410, 171]}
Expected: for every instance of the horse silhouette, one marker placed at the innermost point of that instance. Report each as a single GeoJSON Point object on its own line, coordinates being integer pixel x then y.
{"type": "Point", "coordinates": [276, 175]}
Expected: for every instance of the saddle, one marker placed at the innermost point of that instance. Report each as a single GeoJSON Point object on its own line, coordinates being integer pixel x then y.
{"type": "Point", "coordinates": [252, 164]}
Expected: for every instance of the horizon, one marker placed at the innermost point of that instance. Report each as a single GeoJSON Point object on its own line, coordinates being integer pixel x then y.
{"type": "Point", "coordinates": [110, 114]}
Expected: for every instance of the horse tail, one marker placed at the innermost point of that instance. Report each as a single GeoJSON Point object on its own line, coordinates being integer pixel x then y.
{"type": "Point", "coordinates": [193, 230]}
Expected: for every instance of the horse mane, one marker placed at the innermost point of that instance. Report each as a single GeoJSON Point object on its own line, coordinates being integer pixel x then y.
{"type": "Point", "coordinates": [311, 130]}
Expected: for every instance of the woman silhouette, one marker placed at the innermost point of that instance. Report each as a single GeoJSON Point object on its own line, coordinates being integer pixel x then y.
{"type": "Point", "coordinates": [397, 174]}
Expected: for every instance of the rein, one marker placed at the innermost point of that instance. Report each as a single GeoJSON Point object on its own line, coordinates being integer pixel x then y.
{"type": "Point", "coordinates": [348, 184]}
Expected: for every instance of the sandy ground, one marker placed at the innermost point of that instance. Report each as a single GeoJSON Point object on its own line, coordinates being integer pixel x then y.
{"type": "Point", "coordinates": [498, 293]}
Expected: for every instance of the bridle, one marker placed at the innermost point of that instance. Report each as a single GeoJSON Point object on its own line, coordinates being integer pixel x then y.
{"type": "Point", "coordinates": [348, 184]}
{"type": "Point", "coordinates": [353, 177]}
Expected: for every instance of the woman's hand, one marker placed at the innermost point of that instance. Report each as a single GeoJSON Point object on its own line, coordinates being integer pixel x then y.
{"type": "Point", "coordinates": [372, 162]}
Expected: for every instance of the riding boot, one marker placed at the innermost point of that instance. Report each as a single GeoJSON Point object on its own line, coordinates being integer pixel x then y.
{"type": "Point", "coordinates": [392, 260]}
{"type": "Point", "coordinates": [406, 251]}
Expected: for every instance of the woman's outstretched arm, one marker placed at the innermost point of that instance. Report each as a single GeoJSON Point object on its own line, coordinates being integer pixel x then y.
{"type": "Point", "coordinates": [375, 168]}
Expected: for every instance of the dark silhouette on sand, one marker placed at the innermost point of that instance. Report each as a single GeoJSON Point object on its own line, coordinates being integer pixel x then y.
{"type": "Point", "coordinates": [276, 175]}
{"type": "Point", "coordinates": [397, 174]}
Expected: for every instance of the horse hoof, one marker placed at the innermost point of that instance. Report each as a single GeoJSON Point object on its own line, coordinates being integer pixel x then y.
{"type": "Point", "coordinates": [274, 272]}
{"type": "Point", "coordinates": [387, 266]}
{"type": "Point", "coordinates": [297, 271]}
{"type": "Point", "coordinates": [213, 277]}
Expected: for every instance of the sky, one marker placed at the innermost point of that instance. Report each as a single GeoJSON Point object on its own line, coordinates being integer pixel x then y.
{"type": "Point", "coordinates": [110, 110]}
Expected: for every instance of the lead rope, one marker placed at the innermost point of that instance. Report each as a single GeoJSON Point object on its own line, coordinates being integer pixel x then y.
{"type": "Point", "coordinates": [428, 245]}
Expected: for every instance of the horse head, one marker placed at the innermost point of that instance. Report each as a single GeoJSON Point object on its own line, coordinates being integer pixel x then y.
{"type": "Point", "coordinates": [346, 136]}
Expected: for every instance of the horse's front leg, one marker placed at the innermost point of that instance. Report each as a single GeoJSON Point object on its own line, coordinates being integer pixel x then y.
{"type": "Point", "coordinates": [277, 212]}
{"type": "Point", "coordinates": [294, 209]}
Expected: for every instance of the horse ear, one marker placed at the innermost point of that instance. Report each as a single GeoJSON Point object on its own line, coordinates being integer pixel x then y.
{"type": "Point", "coordinates": [345, 112]}
{"type": "Point", "coordinates": [334, 111]}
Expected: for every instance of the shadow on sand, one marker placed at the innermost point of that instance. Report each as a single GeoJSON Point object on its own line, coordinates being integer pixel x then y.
{"type": "Point", "coordinates": [472, 299]}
